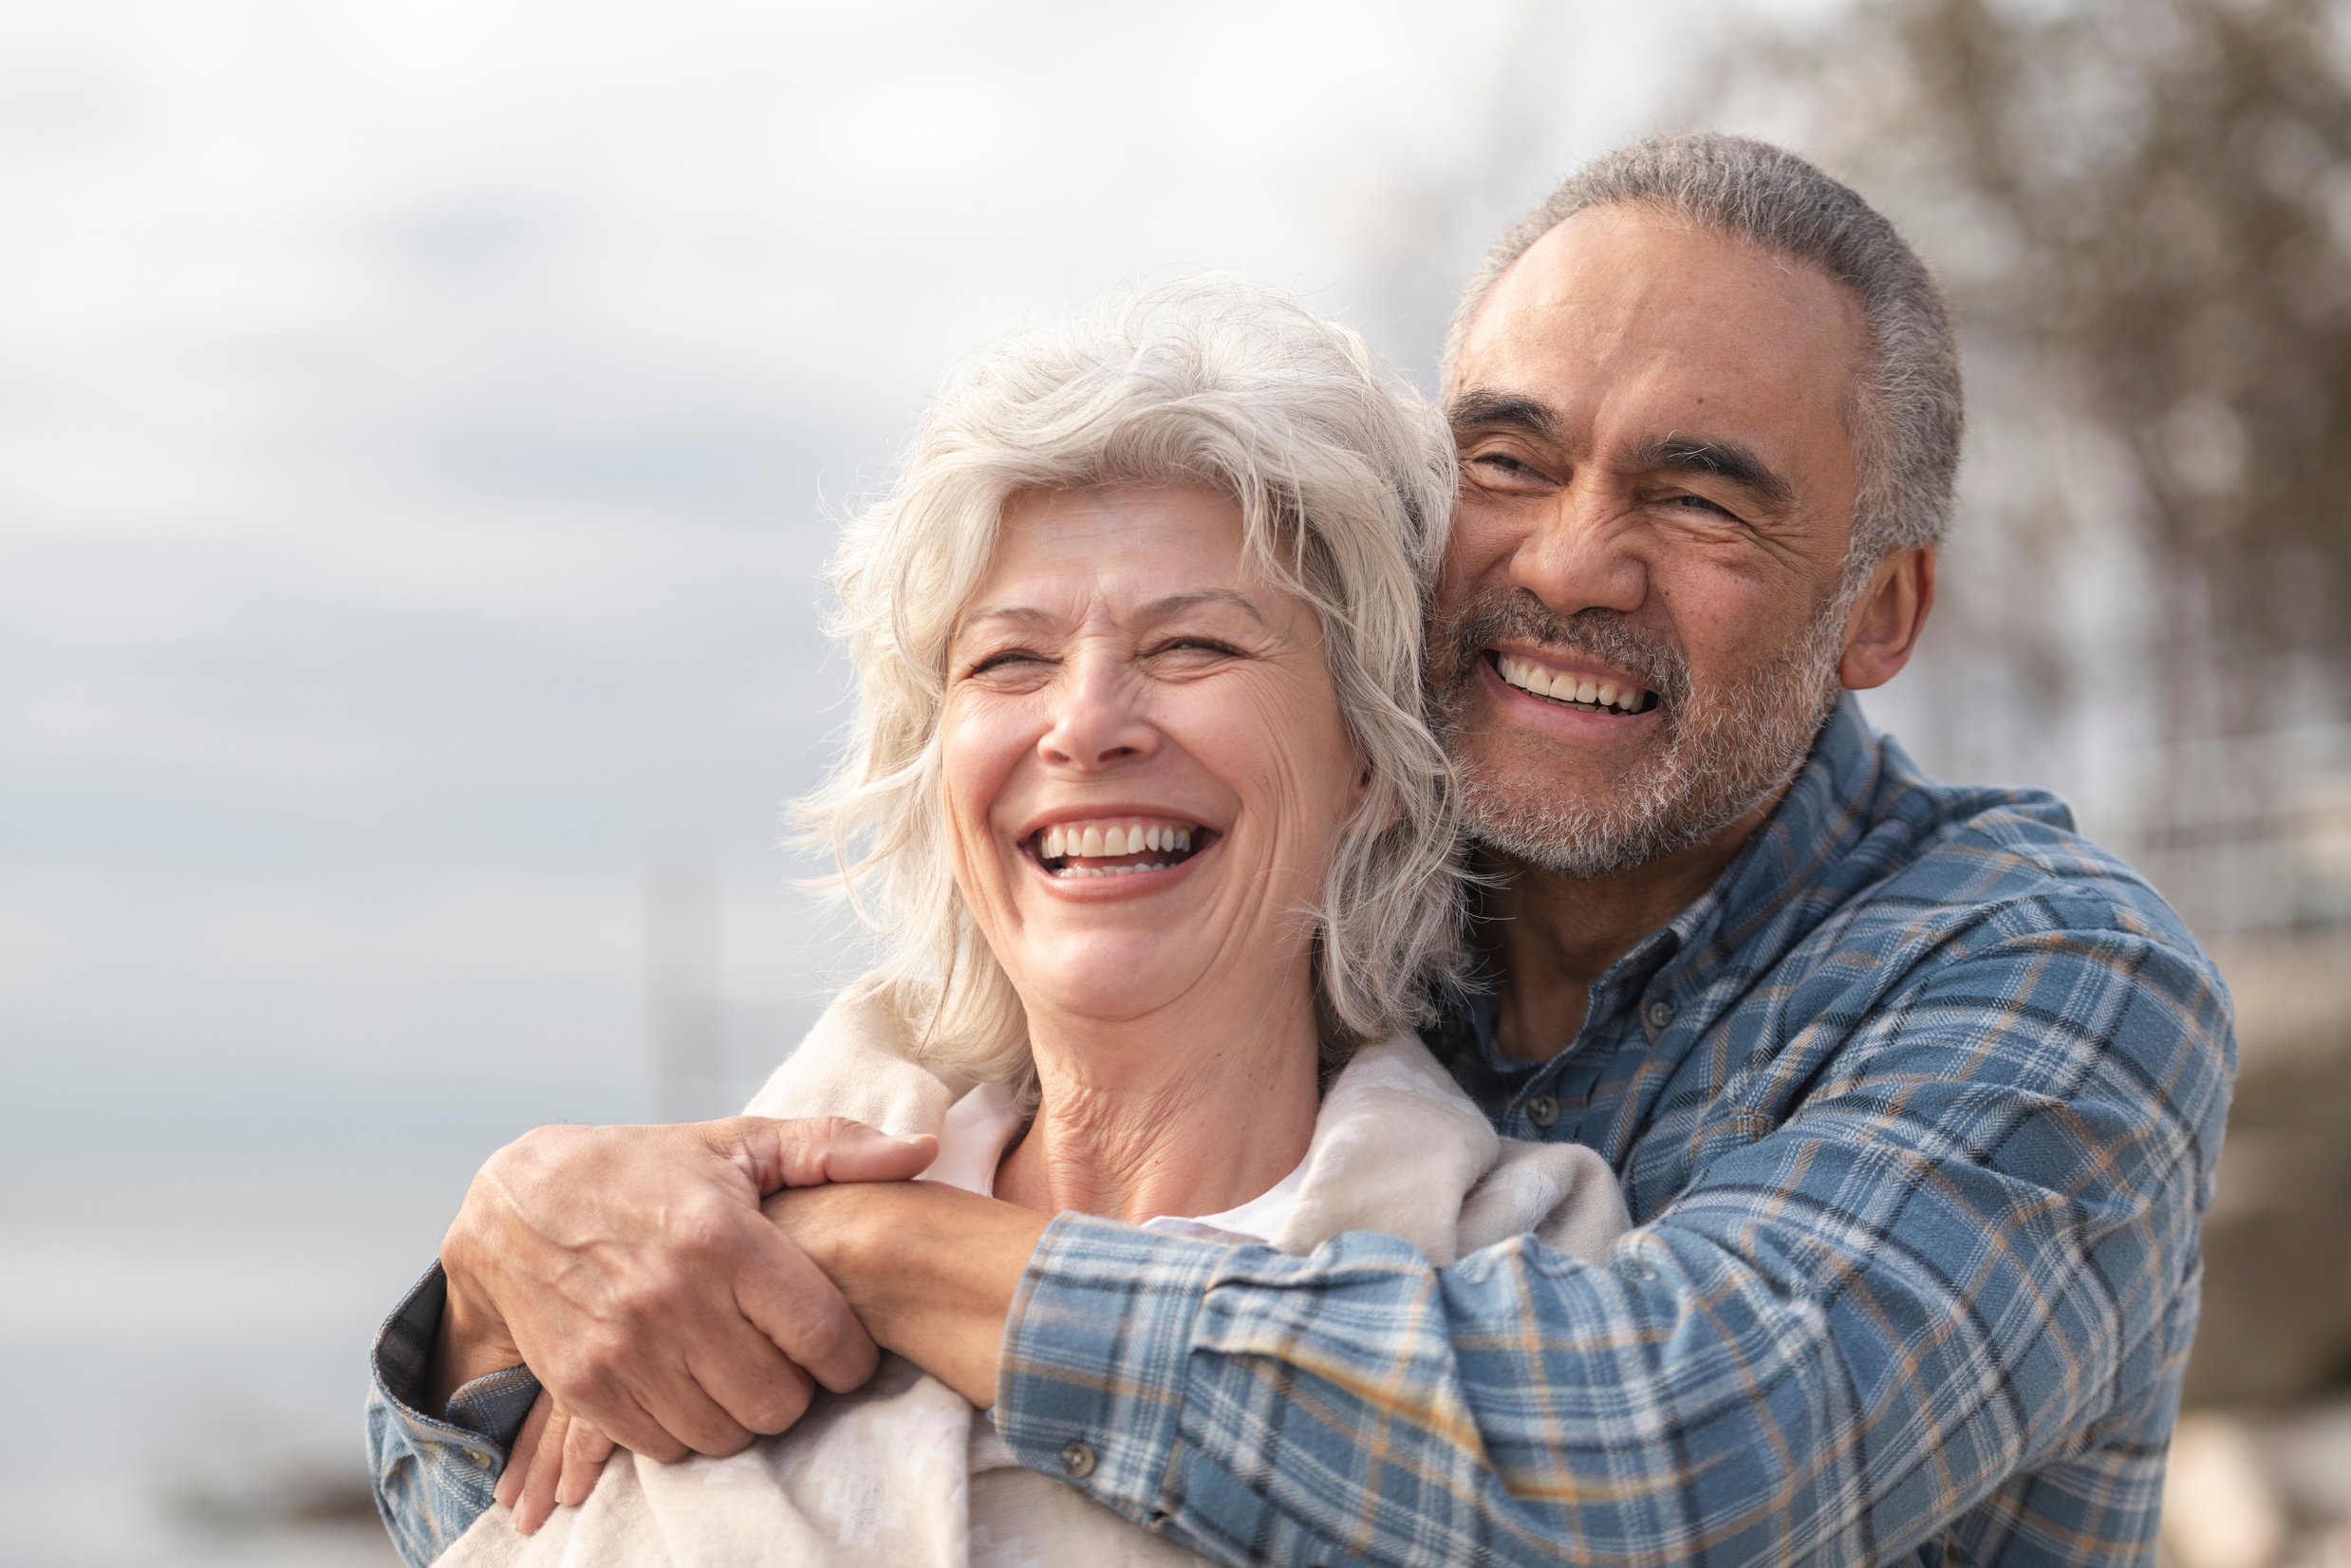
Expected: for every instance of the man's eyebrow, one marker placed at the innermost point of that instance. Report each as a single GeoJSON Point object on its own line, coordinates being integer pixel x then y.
{"type": "Point", "coordinates": [1482, 405]}
{"type": "Point", "coordinates": [1722, 459]}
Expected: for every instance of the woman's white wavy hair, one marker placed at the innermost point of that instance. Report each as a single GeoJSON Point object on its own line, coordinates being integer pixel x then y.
{"type": "Point", "coordinates": [1344, 477]}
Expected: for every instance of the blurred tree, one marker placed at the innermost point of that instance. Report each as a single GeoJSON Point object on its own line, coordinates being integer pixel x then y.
{"type": "Point", "coordinates": [2142, 209]}
{"type": "Point", "coordinates": [2142, 212]}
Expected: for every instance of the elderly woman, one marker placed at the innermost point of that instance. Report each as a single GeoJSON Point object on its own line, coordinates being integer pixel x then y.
{"type": "Point", "coordinates": [1139, 794]}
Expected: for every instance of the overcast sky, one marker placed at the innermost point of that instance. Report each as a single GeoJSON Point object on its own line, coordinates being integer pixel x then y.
{"type": "Point", "coordinates": [420, 427]}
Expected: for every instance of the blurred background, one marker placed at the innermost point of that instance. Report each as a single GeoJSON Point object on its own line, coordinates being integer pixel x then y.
{"type": "Point", "coordinates": [420, 428]}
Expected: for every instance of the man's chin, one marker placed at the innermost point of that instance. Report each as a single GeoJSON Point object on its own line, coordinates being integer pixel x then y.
{"type": "Point", "coordinates": [1537, 775]}
{"type": "Point", "coordinates": [1569, 827]}
{"type": "Point", "coordinates": [1589, 819]}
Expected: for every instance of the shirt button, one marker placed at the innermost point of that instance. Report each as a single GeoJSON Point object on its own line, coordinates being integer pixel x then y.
{"type": "Point", "coordinates": [1660, 1014]}
{"type": "Point", "coordinates": [478, 1460]}
{"type": "Point", "coordinates": [1542, 1111]}
{"type": "Point", "coordinates": [1077, 1459]}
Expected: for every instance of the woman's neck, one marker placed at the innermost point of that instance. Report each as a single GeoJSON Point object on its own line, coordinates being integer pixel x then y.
{"type": "Point", "coordinates": [1192, 1112]}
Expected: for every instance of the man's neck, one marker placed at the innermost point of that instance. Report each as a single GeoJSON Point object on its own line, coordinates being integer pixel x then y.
{"type": "Point", "coordinates": [1550, 936]}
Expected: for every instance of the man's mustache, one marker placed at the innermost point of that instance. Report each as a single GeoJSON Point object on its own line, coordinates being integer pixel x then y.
{"type": "Point", "coordinates": [1602, 634]}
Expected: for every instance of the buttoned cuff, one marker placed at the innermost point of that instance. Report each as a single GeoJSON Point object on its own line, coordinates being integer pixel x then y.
{"type": "Point", "coordinates": [433, 1477]}
{"type": "Point", "coordinates": [1091, 1387]}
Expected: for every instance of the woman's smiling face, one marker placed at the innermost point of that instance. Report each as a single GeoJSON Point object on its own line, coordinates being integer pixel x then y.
{"type": "Point", "coordinates": [1144, 766]}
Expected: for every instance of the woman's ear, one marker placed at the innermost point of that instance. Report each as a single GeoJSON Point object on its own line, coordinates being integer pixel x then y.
{"type": "Point", "coordinates": [1882, 631]}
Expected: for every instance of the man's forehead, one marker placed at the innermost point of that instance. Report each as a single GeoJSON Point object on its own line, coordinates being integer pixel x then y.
{"type": "Point", "coordinates": [1616, 297]}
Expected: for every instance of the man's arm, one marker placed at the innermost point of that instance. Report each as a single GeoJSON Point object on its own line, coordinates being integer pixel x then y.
{"type": "Point", "coordinates": [631, 1268]}
{"type": "Point", "coordinates": [1963, 1250]}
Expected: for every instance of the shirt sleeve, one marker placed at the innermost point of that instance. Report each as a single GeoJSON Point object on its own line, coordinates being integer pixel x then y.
{"type": "Point", "coordinates": [433, 1478]}
{"type": "Point", "coordinates": [1962, 1252]}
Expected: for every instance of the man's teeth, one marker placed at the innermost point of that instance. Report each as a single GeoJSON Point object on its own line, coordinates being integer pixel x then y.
{"type": "Point", "coordinates": [1529, 676]}
{"type": "Point", "coordinates": [1094, 839]}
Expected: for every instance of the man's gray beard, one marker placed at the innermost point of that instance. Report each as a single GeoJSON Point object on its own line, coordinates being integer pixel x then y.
{"type": "Point", "coordinates": [1725, 750]}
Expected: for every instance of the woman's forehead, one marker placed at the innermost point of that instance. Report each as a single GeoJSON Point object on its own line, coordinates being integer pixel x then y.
{"type": "Point", "coordinates": [1170, 523]}
{"type": "Point", "coordinates": [1130, 551]}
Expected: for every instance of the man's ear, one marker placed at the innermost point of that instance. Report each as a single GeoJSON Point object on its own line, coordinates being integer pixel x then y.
{"type": "Point", "coordinates": [1885, 622]}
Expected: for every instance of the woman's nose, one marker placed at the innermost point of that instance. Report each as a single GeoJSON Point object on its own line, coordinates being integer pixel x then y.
{"type": "Point", "coordinates": [1101, 721]}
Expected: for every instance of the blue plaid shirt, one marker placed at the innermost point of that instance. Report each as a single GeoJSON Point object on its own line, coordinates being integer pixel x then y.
{"type": "Point", "coordinates": [1917, 1113]}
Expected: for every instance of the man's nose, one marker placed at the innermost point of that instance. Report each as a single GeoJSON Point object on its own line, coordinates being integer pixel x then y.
{"type": "Point", "coordinates": [1101, 721]}
{"type": "Point", "coordinates": [1587, 551]}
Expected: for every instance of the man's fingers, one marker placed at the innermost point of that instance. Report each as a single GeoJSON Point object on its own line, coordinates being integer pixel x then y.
{"type": "Point", "coordinates": [804, 1313]}
{"type": "Point", "coordinates": [609, 1405]}
{"type": "Point", "coordinates": [585, 1451]}
{"type": "Point", "coordinates": [672, 1397]}
{"type": "Point", "coordinates": [861, 1154]}
{"type": "Point", "coordinates": [813, 1149]}
{"type": "Point", "coordinates": [538, 1490]}
{"type": "Point", "coordinates": [509, 1489]}
{"type": "Point", "coordinates": [750, 1379]}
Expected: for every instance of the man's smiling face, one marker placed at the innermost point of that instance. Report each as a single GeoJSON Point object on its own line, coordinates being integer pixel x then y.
{"type": "Point", "coordinates": [1639, 623]}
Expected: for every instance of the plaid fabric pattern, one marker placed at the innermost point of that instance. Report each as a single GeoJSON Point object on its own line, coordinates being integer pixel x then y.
{"type": "Point", "coordinates": [1917, 1113]}
{"type": "Point", "coordinates": [433, 1478]}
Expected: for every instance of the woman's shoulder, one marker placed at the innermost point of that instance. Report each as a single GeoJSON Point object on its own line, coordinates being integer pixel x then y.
{"type": "Point", "coordinates": [1563, 1194]}
{"type": "Point", "coordinates": [1400, 1148]}
{"type": "Point", "coordinates": [860, 1060]}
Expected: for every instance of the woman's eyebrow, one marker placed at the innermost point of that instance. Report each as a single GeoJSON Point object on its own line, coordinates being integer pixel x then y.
{"type": "Point", "coordinates": [1176, 604]}
{"type": "Point", "coordinates": [1018, 614]}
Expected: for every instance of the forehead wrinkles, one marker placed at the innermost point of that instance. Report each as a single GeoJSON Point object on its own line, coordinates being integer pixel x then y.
{"type": "Point", "coordinates": [1619, 307]}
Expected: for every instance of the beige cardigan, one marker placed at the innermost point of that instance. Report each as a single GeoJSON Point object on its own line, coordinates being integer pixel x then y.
{"type": "Point", "coordinates": [904, 1473]}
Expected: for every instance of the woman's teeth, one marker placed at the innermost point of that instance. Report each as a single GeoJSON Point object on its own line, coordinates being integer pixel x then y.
{"type": "Point", "coordinates": [1060, 847]}
{"type": "Point", "coordinates": [1093, 839]}
{"type": "Point", "coordinates": [1529, 676]}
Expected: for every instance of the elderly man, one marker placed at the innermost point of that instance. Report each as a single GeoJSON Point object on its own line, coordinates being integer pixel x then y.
{"type": "Point", "coordinates": [1916, 1096]}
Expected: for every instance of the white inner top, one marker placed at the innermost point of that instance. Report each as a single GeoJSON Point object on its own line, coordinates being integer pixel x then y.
{"type": "Point", "coordinates": [982, 1125]}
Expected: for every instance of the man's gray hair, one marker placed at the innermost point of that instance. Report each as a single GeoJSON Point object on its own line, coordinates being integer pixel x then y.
{"type": "Point", "coordinates": [1905, 410]}
{"type": "Point", "coordinates": [1344, 478]}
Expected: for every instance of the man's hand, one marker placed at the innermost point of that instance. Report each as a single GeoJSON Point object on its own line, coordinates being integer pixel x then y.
{"type": "Point", "coordinates": [632, 1269]}
{"type": "Point", "coordinates": [929, 1270]}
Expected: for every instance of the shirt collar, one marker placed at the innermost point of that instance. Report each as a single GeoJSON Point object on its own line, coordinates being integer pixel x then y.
{"type": "Point", "coordinates": [1791, 857]}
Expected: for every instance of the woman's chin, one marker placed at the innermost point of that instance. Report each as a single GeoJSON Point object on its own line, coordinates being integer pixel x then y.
{"type": "Point", "coordinates": [1110, 981]}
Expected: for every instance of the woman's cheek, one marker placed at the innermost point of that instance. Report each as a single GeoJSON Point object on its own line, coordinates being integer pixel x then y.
{"type": "Point", "coordinates": [983, 742]}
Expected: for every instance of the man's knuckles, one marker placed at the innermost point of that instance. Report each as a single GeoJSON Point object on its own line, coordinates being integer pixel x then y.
{"type": "Point", "coordinates": [774, 1406]}
{"type": "Point", "coordinates": [585, 1372]}
{"type": "Point", "coordinates": [835, 1347]}
{"type": "Point", "coordinates": [708, 1229]}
